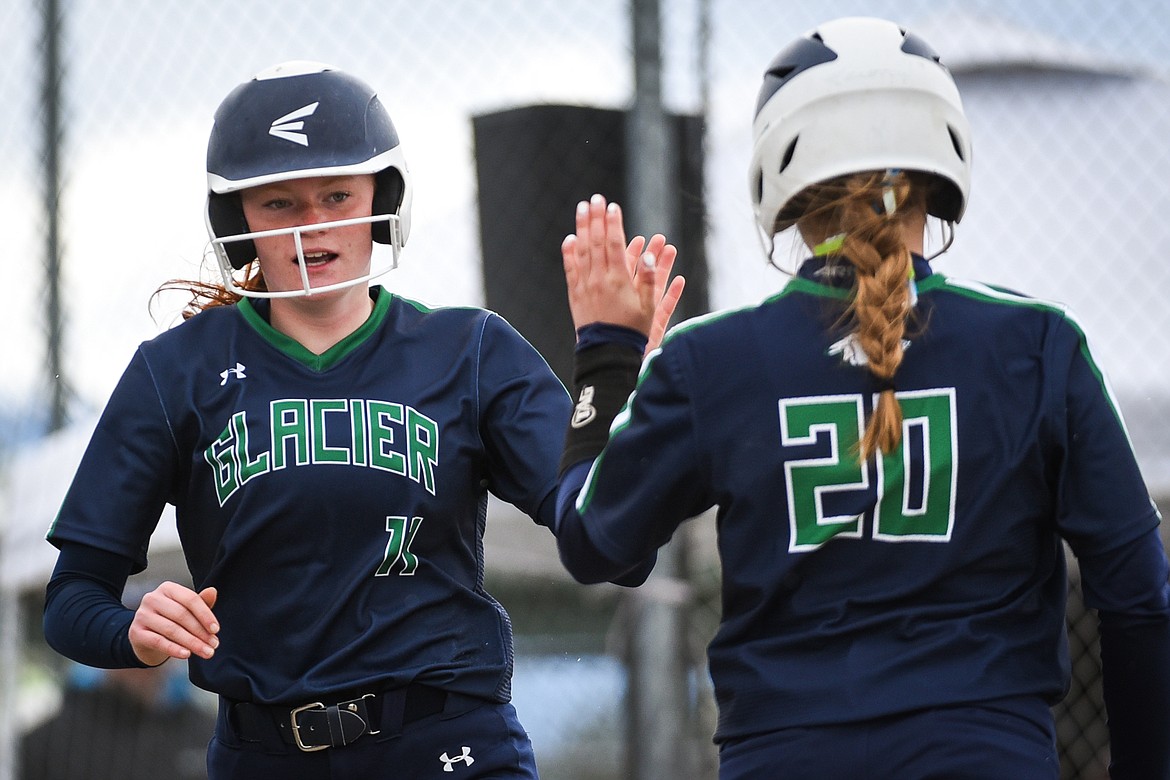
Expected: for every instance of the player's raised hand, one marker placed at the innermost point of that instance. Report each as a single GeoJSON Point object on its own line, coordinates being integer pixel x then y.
{"type": "Point", "coordinates": [667, 296]}
{"type": "Point", "coordinates": [610, 281]}
{"type": "Point", "coordinates": [174, 621]}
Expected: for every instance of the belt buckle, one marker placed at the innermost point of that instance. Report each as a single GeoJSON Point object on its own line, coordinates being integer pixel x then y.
{"type": "Point", "coordinates": [296, 729]}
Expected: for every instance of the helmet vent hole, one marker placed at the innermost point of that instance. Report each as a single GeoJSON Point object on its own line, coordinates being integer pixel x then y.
{"type": "Point", "coordinates": [912, 44]}
{"type": "Point", "coordinates": [955, 143]}
{"type": "Point", "coordinates": [759, 187]}
{"type": "Point", "coordinates": [783, 73]}
{"type": "Point", "coordinates": [792, 148]}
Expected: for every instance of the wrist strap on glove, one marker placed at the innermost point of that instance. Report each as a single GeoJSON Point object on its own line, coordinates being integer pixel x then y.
{"type": "Point", "coordinates": [603, 378]}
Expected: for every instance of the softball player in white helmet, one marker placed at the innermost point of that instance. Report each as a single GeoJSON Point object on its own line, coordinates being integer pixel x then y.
{"type": "Point", "coordinates": [896, 458]}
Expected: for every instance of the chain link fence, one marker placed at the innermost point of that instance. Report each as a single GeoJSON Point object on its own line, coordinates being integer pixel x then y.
{"type": "Point", "coordinates": [1070, 106]}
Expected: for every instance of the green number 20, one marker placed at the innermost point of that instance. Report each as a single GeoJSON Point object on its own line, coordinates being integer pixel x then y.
{"type": "Point", "coordinates": [918, 509]}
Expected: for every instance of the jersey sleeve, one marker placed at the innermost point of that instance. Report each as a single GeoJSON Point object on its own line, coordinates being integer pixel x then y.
{"type": "Point", "coordinates": [522, 408]}
{"type": "Point", "coordinates": [1105, 512]}
{"type": "Point", "coordinates": [1102, 498]}
{"type": "Point", "coordinates": [614, 515]}
{"type": "Point", "coordinates": [125, 476]}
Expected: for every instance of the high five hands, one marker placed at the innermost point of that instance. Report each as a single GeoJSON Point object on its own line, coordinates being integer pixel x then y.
{"type": "Point", "coordinates": [614, 282]}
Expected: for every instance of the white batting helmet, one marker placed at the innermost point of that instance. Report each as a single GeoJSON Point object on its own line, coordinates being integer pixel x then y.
{"type": "Point", "coordinates": [857, 94]}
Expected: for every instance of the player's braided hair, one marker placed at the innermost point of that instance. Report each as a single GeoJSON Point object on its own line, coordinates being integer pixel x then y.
{"type": "Point", "coordinates": [856, 214]}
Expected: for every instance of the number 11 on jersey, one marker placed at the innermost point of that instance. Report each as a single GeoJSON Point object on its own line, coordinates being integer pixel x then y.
{"type": "Point", "coordinates": [398, 556]}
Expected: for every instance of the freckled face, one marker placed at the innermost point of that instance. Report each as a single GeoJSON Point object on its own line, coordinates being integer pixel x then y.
{"type": "Point", "coordinates": [331, 255]}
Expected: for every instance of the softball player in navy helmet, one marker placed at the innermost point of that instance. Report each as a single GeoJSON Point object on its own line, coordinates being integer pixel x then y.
{"type": "Point", "coordinates": [896, 457]}
{"type": "Point", "coordinates": [329, 448]}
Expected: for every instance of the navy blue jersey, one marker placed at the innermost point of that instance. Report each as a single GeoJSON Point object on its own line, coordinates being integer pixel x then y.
{"type": "Point", "coordinates": [928, 576]}
{"type": "Point", "coordinates": [336, 501]}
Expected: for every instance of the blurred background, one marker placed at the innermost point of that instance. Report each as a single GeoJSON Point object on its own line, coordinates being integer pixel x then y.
{"type": "Point", "coordinates": [509, 112]}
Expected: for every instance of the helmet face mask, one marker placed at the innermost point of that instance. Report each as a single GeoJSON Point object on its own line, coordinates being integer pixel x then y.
{"type": "Point", "coordinates": [300, 120]}
{"type": "Point", "coordinates": [855, 95]}
{"type": "Point", "coordinates": [388, 223]}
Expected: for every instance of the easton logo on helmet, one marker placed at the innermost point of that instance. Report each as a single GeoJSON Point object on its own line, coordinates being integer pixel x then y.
{"type": "Point", "coordinates": [285, 126]}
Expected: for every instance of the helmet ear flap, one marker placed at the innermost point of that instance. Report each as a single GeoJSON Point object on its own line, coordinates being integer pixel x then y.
{"type": "Point", "coordinates": [225, 213]}
{"type": "Point", "coordinates": [389, 188]}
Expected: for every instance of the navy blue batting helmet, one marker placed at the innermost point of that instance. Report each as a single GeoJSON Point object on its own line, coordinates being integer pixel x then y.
{"type": "Point", "coordinates": [295, 120]}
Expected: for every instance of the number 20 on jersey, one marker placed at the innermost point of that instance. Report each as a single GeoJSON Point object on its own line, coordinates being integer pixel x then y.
{"type": "Point", "coordinates": [914, 485]}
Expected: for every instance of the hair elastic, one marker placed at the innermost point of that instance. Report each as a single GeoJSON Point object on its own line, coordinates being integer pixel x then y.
{"type": "Point", "coordinates": [889, 198]}
{"type": "Point", "coordinates": [830, 246]}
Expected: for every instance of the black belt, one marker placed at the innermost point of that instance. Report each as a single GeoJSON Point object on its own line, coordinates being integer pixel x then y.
{"type": "Point", "coordinates": [317, 725]}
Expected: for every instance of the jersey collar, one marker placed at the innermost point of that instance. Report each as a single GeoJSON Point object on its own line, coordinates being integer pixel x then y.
{"type": "Point", "coordinates": [838, 272]}
{"type": "Point", "coordinates": [256, 313]}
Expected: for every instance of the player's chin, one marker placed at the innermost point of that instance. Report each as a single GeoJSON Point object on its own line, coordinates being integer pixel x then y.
{"type": "Point", "coordinates": [343, 281]}
{"type": "Point", "coordinates": [332, 271]}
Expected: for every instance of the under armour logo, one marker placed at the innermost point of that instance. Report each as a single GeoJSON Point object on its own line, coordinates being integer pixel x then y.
{"type": "Point", "coordinates": [449, 762]}
{"type": "Point", "coordinates": [238, 371]}
{"type": "Point", "coordinates": [584, 411]}
{"type": "Point", "coordinates": [285, 125]}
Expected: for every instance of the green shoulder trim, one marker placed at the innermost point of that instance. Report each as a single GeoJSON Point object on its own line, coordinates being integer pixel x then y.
{"type": "Point", "coordinates": [794, 285]}
{"type": "Point", "coordinates": [422, 307]}
{"type": "Point", "coordinates": [426, 308]}
{"type": "Point", "coordinates": [798, 284]}
{"type": "Point", "coordinates": [330, 357]}
{"type": "Point", "coordinates": [992, 294]}
{"type": "Point", "coordinates": [699, 321]}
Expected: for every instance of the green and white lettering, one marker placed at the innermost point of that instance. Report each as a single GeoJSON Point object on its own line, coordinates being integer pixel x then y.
{"type": "Point", "coordinates": [381, 435]}
{"type": "Point", "coordinates": [808, 480]}
{"type": "Point", "coordinates": [918, 506]}
{"type": "Point", "coordinates": [398, 556]}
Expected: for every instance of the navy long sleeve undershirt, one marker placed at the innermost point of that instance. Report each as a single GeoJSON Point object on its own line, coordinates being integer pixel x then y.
{"type": "Point", "coordinates": [1136, 683]}
{"type": "Point", "coordinates": [1135, 657]}
{"type": "Point", "coordinates": [84, 617]}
